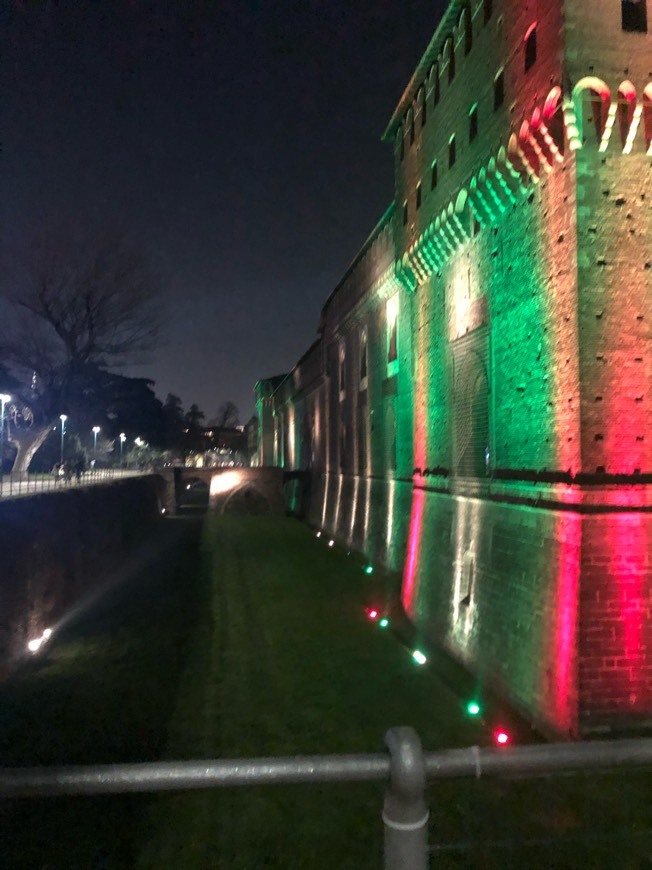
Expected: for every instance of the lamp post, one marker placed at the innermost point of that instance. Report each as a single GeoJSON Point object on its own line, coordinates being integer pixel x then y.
{"type": "Point", "coordinates": [123, 438]}
{"type": "Point", "coordinates": [63, 418]}
{"type": "Point", "coordinates": [4, 398]}
{"type": "Point", "coordinates": [95, 430]}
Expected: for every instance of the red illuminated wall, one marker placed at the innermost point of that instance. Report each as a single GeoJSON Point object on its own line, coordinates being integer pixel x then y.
{"type": "Point", "coordinates": [523, 279]}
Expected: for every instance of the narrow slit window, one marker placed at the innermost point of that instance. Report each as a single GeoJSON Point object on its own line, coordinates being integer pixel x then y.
{"type": "Point", "coordinates": [530, 47]}
{"type": "Point", "coordinates": [499, 90]}
{"type": "Point", "coordinates": [488, 9]}
{"type": "Point", "coordinates": [451, 60]}
{"type": "Point", "coordinates": [405, 213]}
{"type": "Point", "coordinates": [418, 197]}
{"type": "Point", "coordinates": [452, 152]}
{"type": "Point", "coordinates": [473, 123]}
{"type": "Point", "coordinates": [468, 32]}
{"type": "Point", "coordinates": [433, 176]}
{"type": "Point", "coordinates": [437, 89]}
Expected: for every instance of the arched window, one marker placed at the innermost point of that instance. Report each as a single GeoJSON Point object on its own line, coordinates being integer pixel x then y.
{"type": "Point", "coordinates": [487, 9]}
{"type": "Point", "coordinates": [466, 25]}
{"type": "Point", "coordinates": [626, 106]}
{"type": "Point", "coordinates": [363, 360]}
{"type": "Point", "coordinates": [391, 309]}
{"type": "Point", "coordinates": [531, 47]}
{"type": "Point", "coordinates": [450, 51]}
{"type": "Point", "coordinates": [421, 102]}
{"type": "Point", "coordinates": [436, 87]}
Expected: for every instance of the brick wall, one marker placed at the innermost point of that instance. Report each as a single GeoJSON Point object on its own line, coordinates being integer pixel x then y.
{"type": "Point", "coordinates": [523, 284]}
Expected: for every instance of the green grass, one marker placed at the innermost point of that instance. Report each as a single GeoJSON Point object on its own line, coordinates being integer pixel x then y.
{"type": "Point", "coordinates": [257, 643]}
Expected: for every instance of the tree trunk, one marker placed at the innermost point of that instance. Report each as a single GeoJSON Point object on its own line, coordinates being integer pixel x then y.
{"type": "Point", "coordinates": [26, 442]}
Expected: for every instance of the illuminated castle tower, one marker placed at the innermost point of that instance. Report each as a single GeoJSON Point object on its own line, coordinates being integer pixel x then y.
{"type": "Point", "coordinates": [524, 238]}
{"type": "Point", "coordinates": [485, 391]}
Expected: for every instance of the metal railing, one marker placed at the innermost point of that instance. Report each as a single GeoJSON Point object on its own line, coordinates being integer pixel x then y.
{"type": "Point", "coordinates": [406, 769]}
{"type": "Point", "coordinates": [13, 485]}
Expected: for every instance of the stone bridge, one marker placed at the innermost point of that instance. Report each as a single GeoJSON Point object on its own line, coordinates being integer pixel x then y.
{"type": "Point", "coordinates": [233, 490]}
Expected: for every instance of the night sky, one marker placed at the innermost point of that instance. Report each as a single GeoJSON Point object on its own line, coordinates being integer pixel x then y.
{"type": "Point", "coordinates": [239, 142]}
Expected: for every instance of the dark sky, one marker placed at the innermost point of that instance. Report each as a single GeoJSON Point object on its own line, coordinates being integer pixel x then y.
{"type": "Point", "coordinates": [238, 141]}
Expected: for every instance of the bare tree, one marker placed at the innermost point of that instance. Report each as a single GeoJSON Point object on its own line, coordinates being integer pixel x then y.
{"type": "Point", "coordinates": [74, 307]}
{"type": "Point", "coordinates": [227, 416]}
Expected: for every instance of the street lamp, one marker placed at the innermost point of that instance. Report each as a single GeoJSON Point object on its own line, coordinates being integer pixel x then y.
{"type": "Point", "coordinates": [63, 418]}
{"type": "Point", "coordinates": [4, 398]}
{"type": "Point", "coordinates": [95, 430]}
{"type": "Point", "coordinates": [123, 438]}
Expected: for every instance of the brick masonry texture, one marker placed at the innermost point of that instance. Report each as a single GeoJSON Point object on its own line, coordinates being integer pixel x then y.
{"type": "Point", "coordinates": [476, 411]}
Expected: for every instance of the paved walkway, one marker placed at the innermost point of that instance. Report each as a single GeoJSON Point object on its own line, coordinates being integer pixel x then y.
{"type": "Point", "coordinates": [15, 485]}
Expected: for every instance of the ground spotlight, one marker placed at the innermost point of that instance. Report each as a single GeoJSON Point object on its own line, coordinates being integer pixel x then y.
{"type": "Point", "coordinates": [501, 737]}
{"type": "Point", "coordinates": [369, 569]}
{"type": "Point", "coordinates": [473, 708]}
{"type": "Point", "coordinates": [331, 543]}
{"type": "Point", "coordinates": [384, 622]}
{"type": "Point", "coordinates": [419, 657]}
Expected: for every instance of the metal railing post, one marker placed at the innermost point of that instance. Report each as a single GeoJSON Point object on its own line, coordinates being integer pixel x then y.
{"type": "Point", "coordinates": [405, 813]}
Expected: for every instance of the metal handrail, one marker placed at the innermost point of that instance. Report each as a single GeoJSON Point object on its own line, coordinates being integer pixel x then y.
{"type": "Point", "coordinates": [406, 769]}
{"type": "Point", "coordinates": [26, 483]}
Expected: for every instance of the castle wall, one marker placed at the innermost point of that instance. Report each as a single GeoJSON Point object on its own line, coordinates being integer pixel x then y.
{"type": "Point", "coordinates": [501, 456]}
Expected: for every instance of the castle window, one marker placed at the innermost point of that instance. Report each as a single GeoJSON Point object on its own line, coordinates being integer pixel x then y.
{"type": "Point", "coordinates": [634, 16]}
{"type": "Point", "coordinates": [433, 175]}
{"type": "Point", "coordinates": [468, 31]}
{"type": "Point", "coordinates": [419, 195]}
{"type": "Point", "coordinates": [452, 156]}
{"type": "Point", "coordinates": [363, 360]}
{"type": "Point", "coordinates": [473, 123]}
{"type": "Point", "coordinates": [451, 60]}
{"type": "Point", "coordinates": [499, 90]}
{"type": "Point", "coordinates": [488, 8]}
{"type": "Point", "coordinates": [424, 107]}
{"type": "Point", "coordinates": [405, 213]}
{"type": "Point", "coordinates": [392, 333]}
{"type": "Point", "coordinates": [531, 47]}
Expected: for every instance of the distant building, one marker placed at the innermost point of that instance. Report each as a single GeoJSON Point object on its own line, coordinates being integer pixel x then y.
{"type": "Point", "coordinates": [477, 410]}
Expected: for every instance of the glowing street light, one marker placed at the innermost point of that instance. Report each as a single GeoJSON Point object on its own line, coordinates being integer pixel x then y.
{"type": "Point", "coordinates": [4, 398]}
{"type": "Point", "coordinates": [63, 418]}
{"type": "Point", "coordinates": [95, 430]}
{"type": "Point", "coordinates": [123, 438]}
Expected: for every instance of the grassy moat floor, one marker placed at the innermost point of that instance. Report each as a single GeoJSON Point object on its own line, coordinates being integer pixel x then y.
{"type": "Point", "coordinates": [248, 637]}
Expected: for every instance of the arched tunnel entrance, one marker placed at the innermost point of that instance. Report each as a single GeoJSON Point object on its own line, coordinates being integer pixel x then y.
{"type": "Point", "coordinates": [257, 491]}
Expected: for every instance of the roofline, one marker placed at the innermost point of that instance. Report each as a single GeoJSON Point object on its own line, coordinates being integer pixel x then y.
{"type": "Point", "coordinates": [384, 220]}
{"type": "Point", "coordinates": [448, 21]}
